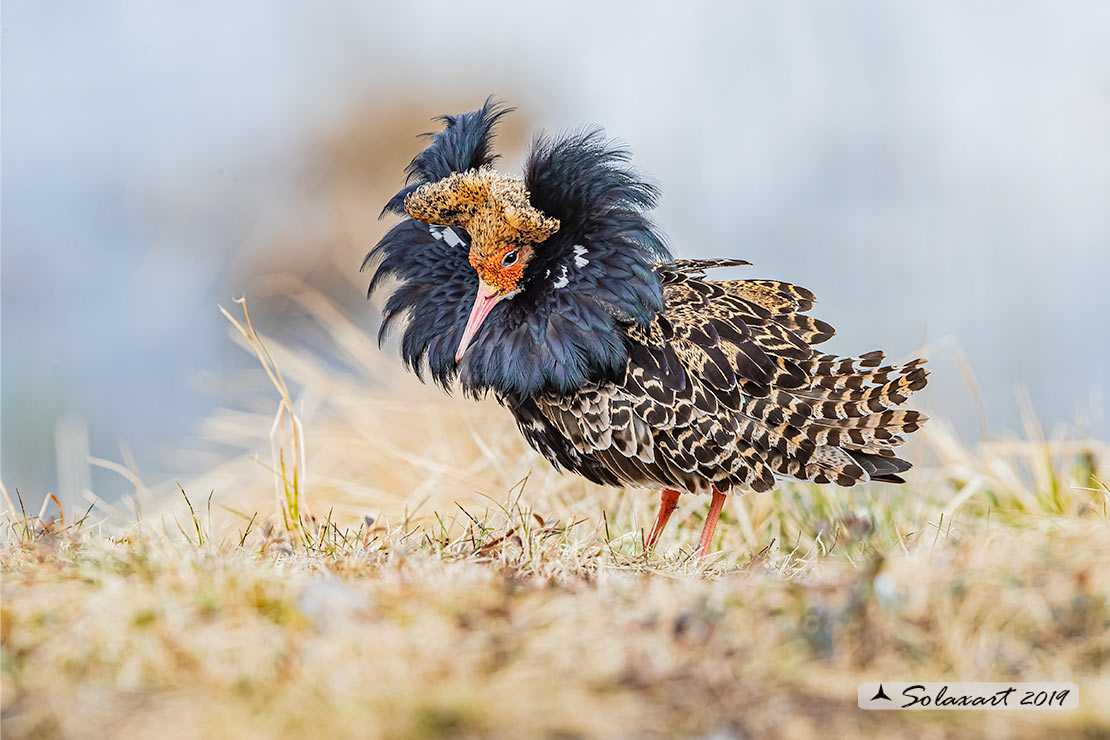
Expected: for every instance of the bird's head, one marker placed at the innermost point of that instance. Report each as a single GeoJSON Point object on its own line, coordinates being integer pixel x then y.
{"type": "Point", "coordinates": [518, 285]}
{"type": "Point", "coordinates": [503, 226]}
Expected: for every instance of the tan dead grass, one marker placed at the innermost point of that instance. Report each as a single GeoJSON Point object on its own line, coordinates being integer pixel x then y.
{"type": "Point", "coordinates": [452, 585]}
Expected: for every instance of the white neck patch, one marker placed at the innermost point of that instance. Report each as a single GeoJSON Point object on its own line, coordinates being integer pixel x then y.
{"type": "Point", "coordinates": [564, 276]}
{"type": "Point", "coordinates": [446, 234]}
{"type": "Point", "coordinates": [580, 256]}
{"type": "Point", "coordinates": [562, 281]}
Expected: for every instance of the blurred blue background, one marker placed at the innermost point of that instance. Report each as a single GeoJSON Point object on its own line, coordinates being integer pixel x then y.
{"type": "Point", "coordinates": [938, 173]}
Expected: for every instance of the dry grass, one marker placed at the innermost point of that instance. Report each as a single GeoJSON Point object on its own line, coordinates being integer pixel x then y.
{"type": "Point", "coordinates": [451, 585]}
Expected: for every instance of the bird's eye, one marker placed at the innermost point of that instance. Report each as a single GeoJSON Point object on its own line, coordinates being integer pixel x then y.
{"type": "Point", "coordinates": [509, 259]}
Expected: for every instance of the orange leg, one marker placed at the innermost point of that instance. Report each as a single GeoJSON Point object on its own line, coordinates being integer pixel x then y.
{"type": "Point", "coordinates": [667, 504]}
{"type": "Point", "coordinates": [710, 523]}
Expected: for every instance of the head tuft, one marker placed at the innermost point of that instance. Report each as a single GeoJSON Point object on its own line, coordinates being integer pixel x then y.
{"type": "Point", "coordinates": [481, 198]}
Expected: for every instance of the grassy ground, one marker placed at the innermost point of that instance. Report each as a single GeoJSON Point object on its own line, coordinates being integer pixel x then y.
{"type": "Point", "coordinates": [426, 576]}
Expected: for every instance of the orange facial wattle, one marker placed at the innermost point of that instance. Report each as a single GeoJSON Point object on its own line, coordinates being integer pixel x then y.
{"type": "Point", "coordinates": [494, 274]}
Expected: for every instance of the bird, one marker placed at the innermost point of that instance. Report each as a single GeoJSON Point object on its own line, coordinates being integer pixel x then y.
{"type": "Point", "coordinates": [555, 293]}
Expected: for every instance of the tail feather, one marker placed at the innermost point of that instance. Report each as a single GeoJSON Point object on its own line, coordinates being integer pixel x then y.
{"type": "Point", "coordinates": [892, 393]}
{"type": "Point", "coordinates": [862, 379]}
{"type": "Point", "coordinates": [880, 468]}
